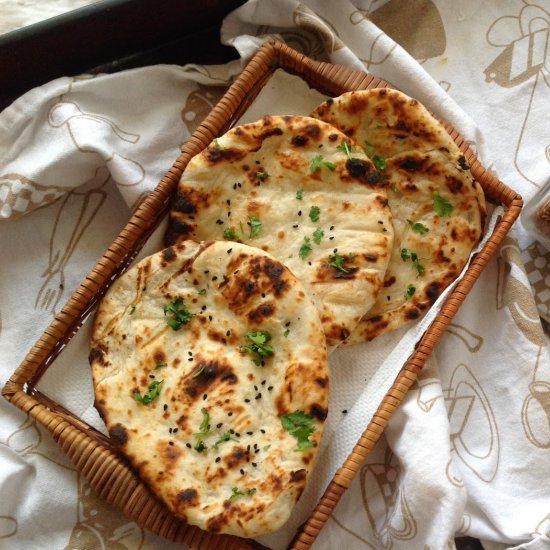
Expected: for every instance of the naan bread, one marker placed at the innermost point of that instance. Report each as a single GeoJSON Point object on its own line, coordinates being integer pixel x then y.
{"type": "Point", "coordinates": [438, 208]}
{"type": "Point", "coordinates": [193, 397]}
{"type": "Point", "coordinates": [286, 184]}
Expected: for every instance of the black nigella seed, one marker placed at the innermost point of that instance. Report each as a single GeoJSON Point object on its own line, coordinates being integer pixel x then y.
{"type": "Point", "coordinates": [263, 294]}
{"type": "Point", "coordinates": [206, 271]}
{"type": "Point", "coordinates": [190, 359]}
{"type": "Point", "coordinates": [254, 464]}
{"type": "Point", "coordinates": [228, 333]}
{"type": "Point", "coordinates": [259, 396]}
{"type": "Point", "coordinates": [256, 388]}
{"type": "Point", "coordinates": [218, 458]}
{"type": "Point", "coordinates": [151, 376]}
{"type": "Point", "coordinates": [242, 471]}
{"type": "Point", "coordinates": [299, 212]}
{"type": "Point", "coordinates": [204, 397]}
{"type": "Point", "coordinates": [247, 400]}
{"type": "Point", "coordinates": [229, 250]}
{"type": "Point", "coordinates": [345, 411]}
{"type": "Point", "coordinates": [250, 433]}
{"type": "Point", "coordinates": [331, 238]}
{"type": "Point", "coordinates": [237, 434]}
{"type": "Point", "coordinates": [262, 430]}
{"type": "Point", "coordinates": [215, 278]}
{"type": "Point", "coordinates": [219, 425]}
{"type": "Point", "coordinates": [170, 443]}
{"type": "Point", "coordinates": [335, 250]}
{"type": "Point", "coordinates": [230, 413]}
{"type": "Point", "coordinates": [287, 324]}
{"type": "Point", "coordinates": [263, 382]}
{"type": "Point", "coordinates": [295, 226]}
{"type": "Point", "coordinates": [188, 445]}
{"type": "Point", "coordinates": [189, 353]}
{"type": "Point", "coordinates": [256, 450]}
{"type": "Point", "coordinates": [165, 407]}
{"type": "Point", "coordinates": [169, 430]}
{"type": "Point", "coordinates": [219, 222]}
{"type": "Point", "coordinates": [210, 317]}
{"type": "Point", "coordinates": [269, 388]}
{"type": "Point", "coordinates": [175, 430]}
{"type": "Point", "coordinates": [331, 228]}
{"type": "Point", "coordinates": [231, 431]}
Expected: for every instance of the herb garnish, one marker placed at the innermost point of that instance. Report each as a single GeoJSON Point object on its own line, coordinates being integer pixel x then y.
{"type": "Point", "coordinates": [160, 364]}
{"type": "Point", "coordinates": [314, 212]}
{"type": "Point", "coordinates": [132, 308]}
{"type": "Point", "coordinates": [226, 436]}
{"type": "Point", "coordinates": [286, 332]}
{"type": "Point", "coordinates": [441, 206]}
{"type": "Point", "coordinates": [299, 425]}
{"type": "Point", "coordinates": [300, 194]}
{"type": "Point", "coordinates": [236, 493]}
{"type": "Point", "coordinates": [369, 149]}
{"type": "Point", "coordinates": [407, 254]}
{"type": "Point", "coordinates": [204, 430]}
{"type": "Point", "coordinates": [418, 227]}
{"type": "Point", "coordinates": [346, 148]}
{"type": "Point", "coordinates": [201, 291]}
{"type": "Point", "coordinates": [318, 234]}
{"type": "Point", "coordinates": [153, 391]}
{"type": "Point", "coordinates": [261, 175]}
{"type": "Point", "coordinates": [379, 162]}
{"type": "Point", "coordinates": [255, 226]}
{"type": "Point", "coordinates": [181, 315]}
{"type": "Point", "coordinates": [337, 261]}
{"type": "Point", "coordinates": [411, 289]}
{"type": "Point", "coordinates": [229, 233]}
{"type": "Point", "coordinates": [305, 249]}
{"type": "Point", "coordinates": [259, 349]}
{"type": "Point", "coordinates": [318, 161]}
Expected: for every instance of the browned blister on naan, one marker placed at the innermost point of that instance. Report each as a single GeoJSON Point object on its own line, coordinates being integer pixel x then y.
{"type": "Point", "coordinates": [186, 396]}
{"type": "Point", "coordinates": [438, 209]}
{"type": "Point", "coordinates": [294, 187]}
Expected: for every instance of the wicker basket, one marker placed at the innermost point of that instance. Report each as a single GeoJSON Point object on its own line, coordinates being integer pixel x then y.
{"type": "Point", "coordinates": [91, 452]}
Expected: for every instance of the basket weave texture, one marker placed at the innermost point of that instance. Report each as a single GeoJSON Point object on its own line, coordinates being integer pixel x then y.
{"type": "Point", "coordinates": [90, 451]}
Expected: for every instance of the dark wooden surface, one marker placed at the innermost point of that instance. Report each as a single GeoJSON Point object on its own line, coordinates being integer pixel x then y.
{"type": "Point", "coordinates": [112, 35]}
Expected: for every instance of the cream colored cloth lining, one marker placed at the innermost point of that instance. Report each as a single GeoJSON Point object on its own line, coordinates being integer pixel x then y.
{"type": "Point", "coordinates": [467, 451]}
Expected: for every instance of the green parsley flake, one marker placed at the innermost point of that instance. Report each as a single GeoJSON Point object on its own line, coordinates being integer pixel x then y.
{"type": "Point", "coordinates": [286, 333]}
{"type": "Point", "coordinates": [229, 233]}
{"type": "Point", "coordinates": [161, 364]}
{"type": "Point", "coordinates": [407, 254]}
{"type": "Point", "coordinates": [202, 291]}
{"type": "Point", "coordinates": [259, 349]}
{"type": "Point", "coordinates": [318, 234]}
{"type": "Point", "coordinates": [394, 187]}
{"type": "Point", "coordinates": [441, 206]}
{"type": "Point", "coordinates": [300, 194]}
{"type": "Point", "coordinates": [255, 226]}
{"type": "Point", "coordinates": [204, 430]}
{"type": "Point", "coordinates": [261, 175]}
{"type": "Point", "coordinates": [314, 212]}
{"type": "Point", "coordinates": [132, 308]}
{"type": "Point", "coordinates": [152, 393]}
{"type": "Point", "coordinates": [299, 425]}
{"type": "Point", "coordinates": [369, 149]}
{"type": "Point", "coordinates": [411, 289]}
{"type": "Point", "coordinates": [305, 249]}
{"type": "Point", "coordinates": [226, 436]}
{"type": "Point", "coordinates": [346, 148]}
{"type": "Point", "coordinates": [418, 227]}
{"type": "Point", "coordinates": [180, 314]}
{"type": "Point", "coordinates": [237, 493]}
{"type": "Point", "coordinates": [318, 161]}
{"type": "Point", "coordinates": [337, 261]}
{"type": "Point", "coordinates": [379, 162]}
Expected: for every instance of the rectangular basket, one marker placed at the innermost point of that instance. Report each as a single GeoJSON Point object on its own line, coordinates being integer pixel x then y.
{"type": "Point", "coordinates": [91, 452]}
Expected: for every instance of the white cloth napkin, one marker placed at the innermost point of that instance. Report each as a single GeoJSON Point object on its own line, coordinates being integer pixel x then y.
{"type": "Point", "coordinates": [467, 451]}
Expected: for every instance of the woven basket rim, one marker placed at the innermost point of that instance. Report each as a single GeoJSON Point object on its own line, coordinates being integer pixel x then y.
{"type": "Point", "coordinates": [84, 445]}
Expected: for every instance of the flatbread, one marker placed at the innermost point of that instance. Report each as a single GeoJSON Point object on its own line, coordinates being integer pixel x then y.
{"type": "Point", "coordinates": [210, 443]}
{"type": "Point", "coordinates": [418, 158]}
{"type": "Point", "coordinates": [322, 213]}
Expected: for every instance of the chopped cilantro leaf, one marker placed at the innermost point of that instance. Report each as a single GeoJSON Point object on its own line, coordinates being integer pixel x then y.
{"type": "Point", "coordinates": [152, 393]}
{"type": "Point", "coordinates": [407, 254]}
{"type": "Point", "coordinates": [318, 234]}
{"type": "Point", "coordinates": [261, 175]}
{"type": "Point", "coordinates": [337, 261]}
{"type": "Point", "coordinates": [318, 161]}
{"type": "Point", "coordinates": [394, 187]}
{"type": "Point", "coordinates": [300, 194]}
{"type": "Point", "coordinates": [255, 226]}
{"type": "Point", "coordinates": [237, 493]}
{"type": "Point", "coordinates": [346, 148]}
{"type": "Point", "coordinates": [441, 206]}
{"type": "Point", "coordinates": [314, 212]}
{"type": "Point", "coordinates": [259, 349]}
{"type": "Point", "coordinates": [229, 233]}
{"type": "Point", "coordinates": [160, 364]}
{"type": "Point", "coordinates": [305, 249]}
{"type": "Point", "coordinates": [202, 291]}
{"type": "Point", "coordinates": [226, 436]}
{"type": "Point", "coordinates": [180, 314]}
{"type": "Point", "coordinates": [200, 446]}
{"type": "Point", "coordinates": [286, 333]}
{"type": "Point", "coordinates": [204, 430]}
{"type": "Point", "coordinates": [132, 308]}
{"type": "Point", "coordinates": [411, 289]}
{"type": "Point", "coordinates": [379, 162]}
{"type": "Point", "coordinates": [369, 149]}
{"type": "Point", "coordinates": [298, 424]}
{"type": "Point", "coordinates": [418, 227]}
